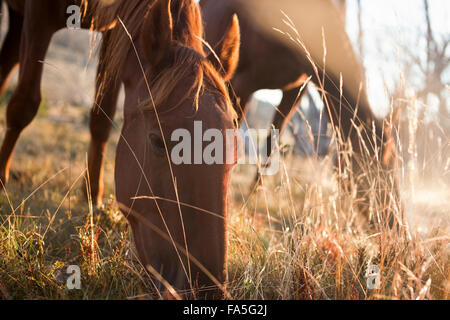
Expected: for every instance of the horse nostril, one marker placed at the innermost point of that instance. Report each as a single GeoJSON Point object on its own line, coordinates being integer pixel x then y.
{"type": "Point", "coordinates": [157, 144]}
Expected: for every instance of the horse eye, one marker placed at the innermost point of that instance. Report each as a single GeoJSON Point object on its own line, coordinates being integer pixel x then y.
{"type": "Point", "coordinates": [157, 144]}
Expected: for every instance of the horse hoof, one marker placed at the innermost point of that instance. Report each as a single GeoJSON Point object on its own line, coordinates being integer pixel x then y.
{"type": "Point", "coordinates": [16, 175]}
{"type": "Point", "coordinates": [97, 204]}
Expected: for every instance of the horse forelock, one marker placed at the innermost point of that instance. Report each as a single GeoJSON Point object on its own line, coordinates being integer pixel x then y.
{"type": "Point", "coordinates": [192, 65]}
{"type": "Point", "coordinates": [188, 25]}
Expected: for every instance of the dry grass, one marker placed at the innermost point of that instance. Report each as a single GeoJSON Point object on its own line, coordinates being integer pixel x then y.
{"type": "Point", "coordinates": [297, 237]}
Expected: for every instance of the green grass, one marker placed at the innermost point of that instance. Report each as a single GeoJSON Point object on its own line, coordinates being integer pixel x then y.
{"type": "Point", "coordinates": [45, 223]}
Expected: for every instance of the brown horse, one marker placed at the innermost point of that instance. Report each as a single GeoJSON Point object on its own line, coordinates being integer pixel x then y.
{"type": "Point", "coordinates": [272, 60]}
{"type": "Point", "coordinates": [177, 213]}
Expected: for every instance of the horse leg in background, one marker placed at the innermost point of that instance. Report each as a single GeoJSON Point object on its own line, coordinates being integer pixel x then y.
{"type": "Point", "coordinates": [370, 160]}
{"type": "Point", "coordinates": [9, 54]}
{"type": "Point", "coordinates": [286, 109]}
{"type": "Point", "coordinates": [102, 115]}
{"type": "Point", "coordinates": [25, 100]}
{"type": "Point", "coordinates": [241, 90]}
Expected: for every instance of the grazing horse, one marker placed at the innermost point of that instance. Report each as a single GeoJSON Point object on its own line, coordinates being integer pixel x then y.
{"type": "Point", "coordinates": [271, 57]}
{"type": "Point", "coordinates": [177, 213]}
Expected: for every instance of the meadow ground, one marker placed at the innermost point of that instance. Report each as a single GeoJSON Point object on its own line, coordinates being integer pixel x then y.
{"type": "Point", "coordinates": [296, 237]}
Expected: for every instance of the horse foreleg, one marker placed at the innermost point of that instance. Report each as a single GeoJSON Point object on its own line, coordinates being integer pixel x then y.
{"type": "Point", "coordinates": [286, 109]}
{"type": "Point", "coordinates": [102, 115]}
{"type": "Point", "coordinates": [283, 114]}
{"type": "Point", "coordinates": [9, 54]}
{"type": "Point", "coordinates": [241, 90]}
{"type": "Point", "coordinates": [25, 100]}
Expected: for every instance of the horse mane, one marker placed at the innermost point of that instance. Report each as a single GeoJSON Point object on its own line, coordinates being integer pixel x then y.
{"type": "Point", "coordinates": [188, 35]}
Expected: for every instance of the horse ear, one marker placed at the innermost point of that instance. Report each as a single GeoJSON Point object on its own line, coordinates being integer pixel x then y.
{"type": "Point", "coordinates": [157, 31]}
{"type": "Point", "coordinates": [227, 51]}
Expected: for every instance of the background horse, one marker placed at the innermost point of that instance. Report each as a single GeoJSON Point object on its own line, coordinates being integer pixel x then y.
{"type": "Point", "coordinates": [177, 213]}
{"type": "Point", "coordinates": [284, 52]}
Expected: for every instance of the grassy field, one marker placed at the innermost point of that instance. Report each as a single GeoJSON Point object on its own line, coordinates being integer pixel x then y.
{"type": "Point", "coordinates": [296, 237]}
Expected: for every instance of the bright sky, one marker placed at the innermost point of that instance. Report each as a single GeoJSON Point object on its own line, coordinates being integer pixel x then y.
{"type": "Point", "coordinates": [385, 23]}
